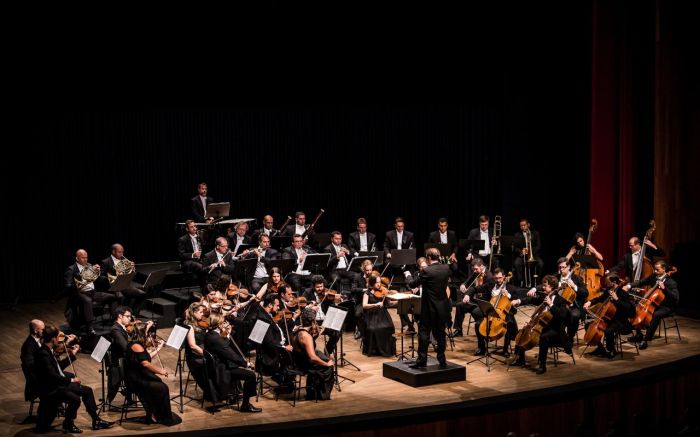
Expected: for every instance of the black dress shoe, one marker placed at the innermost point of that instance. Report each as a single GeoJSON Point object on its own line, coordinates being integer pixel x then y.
{"type": "Point", "coordinates": [479, 353]}
{"type": "Point", "coordinates": [643, 345]}
{"type": "Point", "coordinates": [609, 354]}
{"type": "Point", "coordinates": [518, 362]}
{"type": "Point", "coordinates": [457, 333]}
{"type": "Point", "coordinates": [636, 338]}
{"type": "Point", "coordinates": [70, 428]}
{"type": "Point", "coordinates": [250, 408]}
{"type": "Point", "coordinates": [101, 424]}
{"type": "Point", "coordinates": [418, 365]}
{"type": "Point", "coordinates": [540, 370]}
{"type": "Point", "coordinates": [567, 347]}
{"type": "Point", "coordinates": [443, 365]}
{"type": "Point", "coordinates": [506, 353]}
{"type": "Point", "coordinates": [599, 352]}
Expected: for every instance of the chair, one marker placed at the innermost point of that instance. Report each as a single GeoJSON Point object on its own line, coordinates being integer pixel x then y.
{"type": "Point", "coordinates": [619, 342]}
{"type": "Point", "coordinates": [667, 327]}
{"type": "Point", "coordinates": [288, 373]}
{"type": "Point", "coordinates": [127, 394]}
{"type": "Point", "coordinates": [554, 352]}
{"type": "Point", "coordinates": [210, 365]}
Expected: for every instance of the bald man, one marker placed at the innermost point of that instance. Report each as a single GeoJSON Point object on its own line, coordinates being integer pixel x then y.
{"type": "Point", "coordinates": [29, 348]}
{"type": "Point", "coordinates": [83, 295]}
{"type": "Point", "coordinates": [130, 296]}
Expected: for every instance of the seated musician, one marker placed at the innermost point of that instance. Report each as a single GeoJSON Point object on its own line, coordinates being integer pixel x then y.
{"type": "Point", "coordinates": [267, 228]}
{"type": "Point", "coordinates": [579, 286]}
{"type": "Point", "coordinates": [219, 261]}
{"type": "Point", "coordinates": [56, 386]}
{"type": "Point", "coordinates": [361, 241]}
{"type": "Point", "coordinates": [378, 327]}
{"type": "Point", "coordinates": [580, 247]}
{"type": "Point", "coordinates": [275, 349]}
{"type": "Point", "coordinates": [239, 236]}
{"type": "Point", "coordinates": [301, 228]}
{"type": "Point", "coordinates": [130, 296]}
{"type": "Point", "coordinates": [264, 254]}
{"type": "Point", "coordinates": [273, 285]}
{"type": "Point", "coordinates": [480, 276]}
{"type": "Point", "coordinates": [197, 325]}
{"type": "Point", "coordinates": [553, 333]}
{"type": "Point", "coordinates": [189, 249]}
{"type": "Point", "coordinates": [491, 290]}
{"type": "Point", "coordinates": [398, 238]}
{"type": "Point", "coordinates": [231, 365]}
{"type": "Point", "coordinates": [317, 366]}
{"type": "Point", "coordinates": [290, 304]}
{"type": "Point", "coordinates": [31, 344]}
{"type": "Point", "coordinates": [319, 295]}
{"type": "Point", "coordinates": [624, 310]}
{"type": "Point", "coordinates": [340, 260]}
{"type": "Point", "coordinates": [359, 288]}
{"type": "Point", "coordinates": [297, 251]}
{"type": "Point", "coordinates": [669, 287]}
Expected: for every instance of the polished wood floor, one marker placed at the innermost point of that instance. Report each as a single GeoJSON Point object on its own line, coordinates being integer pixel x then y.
{"type": "Point", "coordinates": [371, 392]}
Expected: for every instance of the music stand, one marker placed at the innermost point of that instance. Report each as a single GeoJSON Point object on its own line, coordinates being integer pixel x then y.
{"type": "Point", "coordinates": [122, 282]}
{"type": "Point", "coordinates": [218, 210]}
{"type": "Point", "coordinates": [322, 239]}
{"type": "Point", "coordinates": [356, 263]}
{"type": "Point", "coordinates": [245, 268]}
{"type": "Point", "coordinates": [404, 307]}
{"type": "Point", "coordinates": [379, 254]}
{"type": "Point", "coordinates": [443, 248]}
{"type": "Point", "coordinates": [155, 279]}
{"type": "Point", "coordinates": [401, 258]}
{"type": "Point", "coordinates": [343, 361]}
{"type": "Point", "coordinates": [280, 242]}
{"type": "Point", "coordinates": [472, 246]}
{"type": "Point", "coordinates": [488, 310]}
{"type": "Point", "coordinates": [586, 261]}
{"type": "Point", "coordinates": [314, 262]}
{"type": "Point", "coordinates": [285, 266]}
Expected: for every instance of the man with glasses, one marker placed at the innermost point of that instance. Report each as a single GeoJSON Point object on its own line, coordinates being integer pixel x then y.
{"type": "Point", "coordinates": [576, 309]}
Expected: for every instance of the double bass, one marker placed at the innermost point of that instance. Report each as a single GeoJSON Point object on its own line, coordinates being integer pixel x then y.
{"type": "Point", "coordinates": [651, 300]}
{"type": "Point", "coordinates": [645, 267]}
{"type": "Point", "coordinates": [591, 277]}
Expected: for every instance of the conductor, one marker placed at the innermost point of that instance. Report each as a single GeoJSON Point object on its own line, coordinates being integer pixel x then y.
{"type": "Point", "coordinates": [435, 307]}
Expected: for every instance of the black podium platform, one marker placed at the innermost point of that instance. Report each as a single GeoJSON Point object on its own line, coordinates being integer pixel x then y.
{"type": "Point", "coordinates": [432, 374]}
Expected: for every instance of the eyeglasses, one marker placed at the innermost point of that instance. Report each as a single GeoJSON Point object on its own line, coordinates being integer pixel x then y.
{"type": "Point", "coordinates": [562, 267]}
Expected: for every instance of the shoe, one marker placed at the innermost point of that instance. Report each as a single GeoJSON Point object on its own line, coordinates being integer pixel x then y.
{"type": "Point", "coordinates": [541, 369]}
{"type": "Point", "coordinates": [418, 365]}
{"type": "Point", "coordinates": [70, 428]}
{"type": "Point", "coordinates": [506, 353]}
{"type": "Point", "coordinates": [643, 345]}
{"type": "Point", "coordinates": [518, 362]}
{"type": "Point", "coordinates": [250, 408]}
{"type": "Point", "coordinates": [457, 333]}
{"type": "Point", "coordinates": [101, 424]}
{"type": "Point", "coordinates": [599, 352]}
{"type": "Point", "coordinates": [609, 354]}
{"type": "Point", "coordinates": [636, 338]}
{"type": "Point", "coordinates": [567, 347]}
{"type": "Point", "coordinates": [479, 352]}
{"type": "Point", "coordinates": [357, 335]}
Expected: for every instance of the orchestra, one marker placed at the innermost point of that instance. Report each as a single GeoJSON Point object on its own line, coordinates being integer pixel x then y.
{"type": "Point", "coordinates": [294, 302]}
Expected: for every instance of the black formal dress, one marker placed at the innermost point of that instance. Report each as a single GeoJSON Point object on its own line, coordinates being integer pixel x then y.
{"type": "Point", "coordinates": [151, 390]}
{"type": "Point", "coordinates": [378, 330]}
{"type": "Point", "coordinates": [196, 362]}
{"type": "Point", "coordinates": [319, 379]}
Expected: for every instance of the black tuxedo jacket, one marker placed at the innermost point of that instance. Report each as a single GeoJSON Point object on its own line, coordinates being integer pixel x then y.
{"type": "Point", "coordinates": [290, 253]}
{"type": "Point", "coordinates": [391, 241]}
{"type": "Point", "coordinates": [290, 230]}
{"type": "Point", "coordinates": [670, 291]}
{"type": "Point", "coordinates": [434, 301]}
{"type": "Point", "coordinates": [259, 231]}
{"type": "Point", "coordinates": [232, 239]}
{"type": "Point", "coordinates": [119, 342]}
{"type": "Point", "coordinates": [107, 266]}
{"type": "Point", "coordinates": [488, 283]}
{"type": "Point", "coordinates": [198, 211]}
{"type": "Point", "coordinates": [434, 238]}
{"type": "Point", "coordinates": [559, 311]}
{"type": "Point", "coordinates": [29, 349]}
{"type": "Point", "coordinates": [475, 234]}
{"type": "Point", "coordinates": [354, 241]}
{"type": "Point", "coordinates": [211, 257]}
{"type": "Point", "coordinates": [333, 262]}
{"type": "Point", "coordinates": [222, 349]}
{"type": "Point", "coordinates": [519, 242]}
{"type": "Point", "coordinates": [185, 248]}
{"type": "Point", "coordinates": [46, 371]}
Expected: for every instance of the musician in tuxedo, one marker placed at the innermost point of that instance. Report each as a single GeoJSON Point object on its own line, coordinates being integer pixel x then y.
{"type": "Point", "coordinates": [627, 265]}
{"type": "Point", "coordinates": [267, 228]}
{"type": "Point", "coordinates": [298, 278]}
{"type": "Point", "coordinates": [318, 297]}
{"type": "Point", "coordinates": [435, 307]}
{"type": "Point", "coordinates": [230, 364]}
{"type": "Point", "coordinates": [579, 286]}
{"type": "Point", "coordinates": [199, 204]}
{"type": "Point", "coordinates": [264, 254]}
{"type": "Point", "coordinates": [480, 276]}
{"type": "Point", "coordinates": [300, 227]}
{"type": "Point", "coordinates": [189, 249]}
{"type": "Point", "coordinates": [56, 386]}
{"type": "Point", "coordinates": [130, 296]}
{"type": "Point", "coordinates": [340, 259]}
{"type": "Point", "coordinates": [620, 323]}
{"type": "Point", "coordinates": [218, 261]}
{"type": "Point", "coordinates": [361, 240]}
{"type": "Point", "coordinates": [669, 287]}
{"type": "Point", "coordinates": [120, 339]}
{"type": "Point", "coordinates": [486, 235]}
{"type": "Point", "coordinates": [522, 253]}
{"type": "Point", "coordinates": [238, 237]}
{"type": "Point", "coordinates": [84, 295]}
{"type": "Point", "coordinates": [30, 346]}
{"type": "Point", "coordinates": [445, 236]}
{"type": "Point", "coordinates": [553, 333]}
{"type": "Point", "coordinates": [275, 347]}
{"type": "Point", "coordinates": [398, 238]}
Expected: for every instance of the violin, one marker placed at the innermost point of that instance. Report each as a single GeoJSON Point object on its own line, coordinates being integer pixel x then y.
{"type": "Point", "coordinates": [328, 293]}
{"type": "Point", "coordinates": [64, 342]}
{"type": "Point", "coordinates": [232, 290]}
{"type": "Point", "coordinates": [381, 292]}
{"type": "Point", "coordinates": [301, 302]}
{"type": "Point", "coordinates": [286, 314]}
{"type": "Point", "coordinates": [204, 324]}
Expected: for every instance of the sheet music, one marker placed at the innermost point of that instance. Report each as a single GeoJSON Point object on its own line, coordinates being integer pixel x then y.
{"type": "Point", "coordinates": [259, 331]}
{"type": "Point", "coordinates": [334, 318]}
{"type": "Point", "coordinates": [100, 349]}
{"type": "Point", "coordinates": [400, 296]}
{"type": "Point", "coordinates": [177, 336]}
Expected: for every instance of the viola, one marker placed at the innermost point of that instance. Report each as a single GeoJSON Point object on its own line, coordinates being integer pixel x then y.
{"type": "Point", "coordinates": [287, 314]}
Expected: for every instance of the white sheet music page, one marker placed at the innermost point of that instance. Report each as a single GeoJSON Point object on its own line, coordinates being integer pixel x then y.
{"type": "Point", "coordinates": [100, 350]}
{"type": "Point", "coordinates": [334, 318]}
{"type": "Point", "coordinates": [177, 336]}
{"type": "Point", "coordinates": [259, 331]}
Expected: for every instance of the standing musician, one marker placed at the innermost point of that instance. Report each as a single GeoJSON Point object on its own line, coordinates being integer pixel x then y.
{"type": "Point", "coordinates": [580, 247]}
{"type": "Point", "coordinates": [130, 296]}
{"type": "Point", "coordinates": [189, 249]}
{"type": "Point", "coordinates": [57, 386]}
{"type": "Point", "coordinates": [340, 259]}
{"type": "Point", "coordinates": [620, 323]}
{"type": "Point", "coordinates": [199, 204]}
{"type": "Point", "coordinates": [297, 251]}
{"type": "Point", "coordinates": [577, 284]}
{"type": "Point", "coordinates": [628, 263]}
{"type": "Point", "coordinates": [480, 276]}
{"type": "Point", "coordinates": [522, 252]}
{"type": "Point", "coordinates": [321, 297]}
{"type": "Point", "coordinates": [435, 307]}
{"type": "Point", "coordinates": [483, 233]}
{"type": "Point", "coordinates": [267, 228]}
{"type": "Point", "coordinates": [231, 365]}
{"type": "Point", "coordinates": [553, 332]}
{"type": "Point", "coordinates": [264, 254]}
{"type": "Point", "coordinates": [361, 241]}
{"type": "Point", "coordinates": [82, 293]}
{"type": "Point", "coordinates": [218, 261]}
{"type": "Point", "coordinates": [491, 290]}
{"type": "Point", "coordinates": [300, 227]}
{"type": "Point", "coordinates": [445, 236]}
{"type": "Point", "coordinates": [669, 287]}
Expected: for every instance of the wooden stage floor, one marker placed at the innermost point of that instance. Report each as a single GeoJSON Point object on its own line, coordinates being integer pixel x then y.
{"type": "Point", "coordinates": [371, 394]}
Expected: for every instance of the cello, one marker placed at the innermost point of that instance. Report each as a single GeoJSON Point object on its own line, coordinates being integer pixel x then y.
{"type": "Point", "coordinates": [603, 314]}
{"type": "Point", "coordinates": [501, 303]}
{"type": "Point", "coordinates": [591, 277]}
{"type": "Point", "coordinates": [529, 336]}
{"type": "Point", "coordinates": [651, 300]}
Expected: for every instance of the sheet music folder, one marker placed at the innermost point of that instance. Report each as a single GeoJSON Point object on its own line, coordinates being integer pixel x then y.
{"type": "Point", "coordinates": [444, 248]}
{"type": "Point", "coordinates": [122, 282]}
{"type": "Point", "coordinates": [217, 210]}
